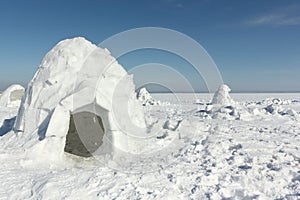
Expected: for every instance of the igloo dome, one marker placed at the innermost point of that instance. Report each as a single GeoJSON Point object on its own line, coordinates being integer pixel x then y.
{"type": "Point", "coordinates": [79, 101]}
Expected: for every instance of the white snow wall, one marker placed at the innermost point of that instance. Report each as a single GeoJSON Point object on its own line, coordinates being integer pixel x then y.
{"type": "Point", "coordinates": [74, 76]}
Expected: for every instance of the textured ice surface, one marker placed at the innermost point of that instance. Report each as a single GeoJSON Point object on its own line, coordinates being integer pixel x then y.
{"type": "Point", "coordinates": [254, 157]}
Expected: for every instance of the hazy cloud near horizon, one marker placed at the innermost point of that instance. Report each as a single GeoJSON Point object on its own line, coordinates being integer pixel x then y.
{"type": "Point", "coordinates": [286, 16]}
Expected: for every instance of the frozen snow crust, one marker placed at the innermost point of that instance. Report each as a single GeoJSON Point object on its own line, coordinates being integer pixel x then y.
{"type": "Point", "coordinates": [253, 157]}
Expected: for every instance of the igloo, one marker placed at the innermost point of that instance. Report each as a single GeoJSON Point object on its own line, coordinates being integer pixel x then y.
{"type": "Point", "coordinates": [11, 97]}
{"type": "Point", "coordinates": [80, 101]}
{"type": "Point", "coordinates": [222, 97]}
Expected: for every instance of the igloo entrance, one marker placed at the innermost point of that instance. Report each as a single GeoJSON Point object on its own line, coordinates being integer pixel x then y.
{"type": "Point", "coordinates": [85, 134]}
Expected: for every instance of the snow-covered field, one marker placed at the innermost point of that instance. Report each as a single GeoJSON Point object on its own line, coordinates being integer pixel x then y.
{"type": "Point", "coordinates": [246, 151]}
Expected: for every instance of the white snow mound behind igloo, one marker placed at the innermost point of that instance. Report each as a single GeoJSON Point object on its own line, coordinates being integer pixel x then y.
{"type": "Point", "coordinates": [11, 97]}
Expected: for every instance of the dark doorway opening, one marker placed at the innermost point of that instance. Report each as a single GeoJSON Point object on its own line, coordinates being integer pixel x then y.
{"type": "Point", "coordinates": [85, 134]}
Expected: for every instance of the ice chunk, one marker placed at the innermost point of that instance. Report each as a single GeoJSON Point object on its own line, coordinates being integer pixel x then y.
{"type": "Point", "coordinates": [145, 97]}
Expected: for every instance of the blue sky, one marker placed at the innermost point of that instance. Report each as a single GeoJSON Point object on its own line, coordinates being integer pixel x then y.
{"type": "Point", "coordinates": [255, 44]}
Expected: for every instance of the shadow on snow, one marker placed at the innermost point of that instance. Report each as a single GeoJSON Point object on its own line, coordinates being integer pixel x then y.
{"type": "Point", "coordinates": [7, 126]}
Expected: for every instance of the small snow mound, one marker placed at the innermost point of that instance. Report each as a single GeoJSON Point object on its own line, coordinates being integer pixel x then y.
{"type": "Point", "coordinates": [11, 97]}
{"type": "Point", "coordinates": [222, 97]}
{"type": "Point", "coordinates": [222, 106]}
{"type": "Point", "coordinates": [145, 97]}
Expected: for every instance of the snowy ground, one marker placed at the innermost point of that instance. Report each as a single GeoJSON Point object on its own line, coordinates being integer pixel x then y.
{"type": "Point", "coordinates": [250, 151]}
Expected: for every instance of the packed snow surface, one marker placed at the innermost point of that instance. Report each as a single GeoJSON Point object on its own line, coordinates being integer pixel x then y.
{"type": "Point", "coordinates": [249, 150]}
